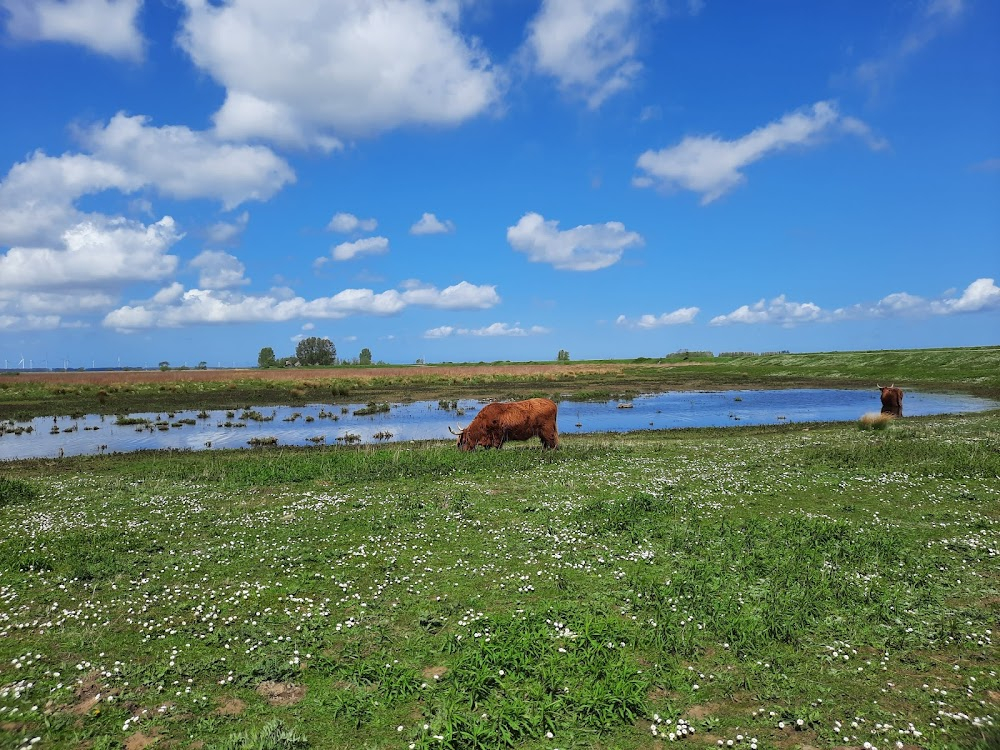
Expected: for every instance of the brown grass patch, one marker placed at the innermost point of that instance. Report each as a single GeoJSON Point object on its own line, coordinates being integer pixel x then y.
{"type": "Point", "coordinates": [307, 378]}
{"type": "Point", "coordinates": [875, 421]}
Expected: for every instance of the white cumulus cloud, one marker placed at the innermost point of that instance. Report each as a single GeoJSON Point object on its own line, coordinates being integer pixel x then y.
{"type": "Point", "coordinates": [461, 296]}
{"type": "Point", "coordinates": [55, 303]}
{"type": "Point", "coordinates": [778, 310]}
{"type": "Point", "coordinates": [679, 316]}
{"type": "Point", "coordinates": [589, 46]}
{"type": "Point", "coordinates": [228, 232]}
{"type": "Point", "coordinates": [94, 253]}
{"type": "Point", "coordinates": [29, 322]}
{"type": "Point", "coordinates": [584, 248]}
{"type": "Point", "coordinates": [713, 166]}
{"type": "Point", "coordinates": [38, 196]}
{"type": "Point", "coordinates": [215, 306]}
{"type": "Point", "coordinates": [365, 246]}
{"type": "Point", "coordinates": [109, 27]}
{"type": "Point", "coordinates": [44, 311]}
{"type": "Point", "coordinates": [219, 270]}
{"type": "Point", "coordinates": [346, 223]}
{"type": "Point", "coordinates": [982, 295]}
{"type": "Point", "coordinates": [430, 224]}
{"type": "Point", "coordinates": [317, 71]}
{"type": "Point", "coordinates": [184, 163]}
{"type": "Point", "coordinates": [494, 329]}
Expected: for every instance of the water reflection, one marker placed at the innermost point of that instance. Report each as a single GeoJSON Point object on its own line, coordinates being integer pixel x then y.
{"type": "Point", "coordinates": [320, 424]}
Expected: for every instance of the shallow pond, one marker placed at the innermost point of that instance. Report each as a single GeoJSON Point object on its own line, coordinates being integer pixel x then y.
{"type": "Point", "coordinates": [319, 424]}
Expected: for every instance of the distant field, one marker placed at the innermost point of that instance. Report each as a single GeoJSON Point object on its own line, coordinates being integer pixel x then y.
{"type": "Point", "coordinates": [291, 374]}
{"type": "Point", "coordinates": [22, 395]}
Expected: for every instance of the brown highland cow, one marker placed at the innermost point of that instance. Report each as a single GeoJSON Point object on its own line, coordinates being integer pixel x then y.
{"type": "Point", "coordinates": [515, 420]}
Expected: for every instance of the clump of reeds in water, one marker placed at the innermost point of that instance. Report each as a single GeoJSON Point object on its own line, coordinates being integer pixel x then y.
{"type": "Point", "coordinates": [260, 442]}
{"type": "Point", "coordinates": [875, 421]}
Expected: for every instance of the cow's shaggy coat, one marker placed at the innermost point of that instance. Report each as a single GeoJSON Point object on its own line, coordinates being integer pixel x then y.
{"type": "Point", "coordinates": [892, 400]}
{"type": "Point", "coordinates": [515, 420]}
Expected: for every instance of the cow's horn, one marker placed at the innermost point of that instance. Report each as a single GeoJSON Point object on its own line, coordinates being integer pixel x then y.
{"type": "Point", "coordinates": [878, 386]}
{"type": "Point", "coordinates": [455, 433]}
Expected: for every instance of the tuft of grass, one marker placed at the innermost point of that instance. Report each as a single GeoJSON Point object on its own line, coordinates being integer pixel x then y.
{"type": "Point", "coordinates": [875, 421]}
{"type": "Point", "coordinates": [272, 736]}
{"type": "Point", "coordinates": [16, 492]}
{"type": "Point", "coordinates": [372, 408]}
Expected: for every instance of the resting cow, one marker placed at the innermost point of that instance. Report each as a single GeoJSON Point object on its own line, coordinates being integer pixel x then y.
{"type": "Point", "coordinates": [514, 420]}
{"type": "Point", "coordinates": [892, 399]}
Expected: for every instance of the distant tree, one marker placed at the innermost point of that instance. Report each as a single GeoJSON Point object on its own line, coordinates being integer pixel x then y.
{"type": "Point", "coordinates": [266, 358]}
{"type": "Point", "coordinates": [164, 365]}
{"type": "Point", "coordinates": [203, 365]}
{"type": "Point", "coordinates": [563, 356]}
{"type": "Point", "coordinates": [366, 356]}
{"type": "Point", "coordinates": [316, 351]}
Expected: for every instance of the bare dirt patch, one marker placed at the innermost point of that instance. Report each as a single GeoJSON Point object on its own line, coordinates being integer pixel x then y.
{"type": "Point", "coordinates": [141, 740]}
{"type": "Point", "coordinates": [434, 673]}
{"type": "Point", "coordinates": [230, 707]}
{"type": "Point", "coordinates": [701, 711]}
{"type": "Point", "coordinates": [89, 693]}
{"type": "Point", "coordinates": [281, 693]}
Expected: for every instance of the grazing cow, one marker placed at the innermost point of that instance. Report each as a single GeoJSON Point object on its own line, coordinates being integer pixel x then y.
{"type": "Point", "coordinates": [892, 399]}
{"type": "Point", "coordinates": [514, 420]}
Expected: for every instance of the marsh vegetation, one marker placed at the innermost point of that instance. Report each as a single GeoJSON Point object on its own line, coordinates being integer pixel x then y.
{"type": "Point", "coordinates": [25, 395]}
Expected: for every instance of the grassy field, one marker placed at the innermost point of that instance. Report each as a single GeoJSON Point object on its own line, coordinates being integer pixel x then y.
{"type": "Point", "coordinates": [815, 586]}
{"type": "Point", "coordinates": [24, 395]}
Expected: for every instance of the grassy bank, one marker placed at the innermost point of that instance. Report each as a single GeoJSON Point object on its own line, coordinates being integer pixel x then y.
{"type": "Point", "coordinates": [819, 586]}
{"type": "Point", "coordinates": [25, 395]}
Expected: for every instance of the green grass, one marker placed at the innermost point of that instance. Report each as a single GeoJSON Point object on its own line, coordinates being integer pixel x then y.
{"type": "Point", "coordinates": [813, 586]}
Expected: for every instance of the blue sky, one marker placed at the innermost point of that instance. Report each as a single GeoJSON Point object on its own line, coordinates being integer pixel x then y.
{"type": "Point", "coordinates": [475, 180]}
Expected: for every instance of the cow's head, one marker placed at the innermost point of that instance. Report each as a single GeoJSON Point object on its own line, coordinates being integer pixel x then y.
{"type": "Point", "coordinates": [465, 442]}
{"type": "Point", "coordinates": [474, 436]}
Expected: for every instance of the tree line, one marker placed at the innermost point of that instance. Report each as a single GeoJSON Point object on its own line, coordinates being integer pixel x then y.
{"type": "Point", "coordinates": [312, 351]}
